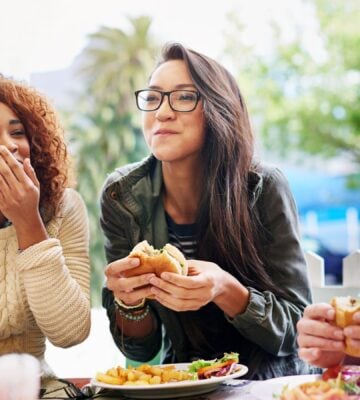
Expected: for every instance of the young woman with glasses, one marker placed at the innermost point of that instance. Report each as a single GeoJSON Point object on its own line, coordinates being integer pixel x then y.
{"type": "Point", "coordinates": [233, 217]}
{"type": "Point", "coordinates": [44, 238]}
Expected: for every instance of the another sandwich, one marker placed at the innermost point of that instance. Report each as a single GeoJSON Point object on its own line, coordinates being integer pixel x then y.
{"type": "Point", "coordinates": [345, 308]}
{"type": "Point", "coordinates": [167, 259]}
{"type": "Point", "coordinates": [205, 369]}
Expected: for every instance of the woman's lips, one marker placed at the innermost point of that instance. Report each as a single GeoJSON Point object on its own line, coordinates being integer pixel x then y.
{"type": "Point", "coordinates": [164, 132]}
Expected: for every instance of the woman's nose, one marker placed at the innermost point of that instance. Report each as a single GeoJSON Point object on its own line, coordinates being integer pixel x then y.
{"type": "Point", "coordinates": [165, 111]}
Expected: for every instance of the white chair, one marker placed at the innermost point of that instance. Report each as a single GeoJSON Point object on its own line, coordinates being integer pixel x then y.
{"type": "Point", "coordinates": [351, 277]}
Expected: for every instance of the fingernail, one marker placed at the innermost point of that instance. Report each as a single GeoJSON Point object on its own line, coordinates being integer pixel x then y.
{"type": "Point", "coordinates": [165, 275]}
{"type": "Point", "coordinates": [356, 317]}
{"type": "Point", "coordinates": [330, 314]}
{"type": "Point", "coordinates": [314, 354]}
{"type": "Point", "coordinates": [134, 262]}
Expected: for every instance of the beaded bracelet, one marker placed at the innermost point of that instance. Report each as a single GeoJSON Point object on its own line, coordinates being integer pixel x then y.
{"type": "Point", "coordinates": [134, 316]}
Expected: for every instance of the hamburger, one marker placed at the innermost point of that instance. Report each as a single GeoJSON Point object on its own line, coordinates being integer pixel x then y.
{"type": "Point", "coordinates": [345, 308]}
{"type": "Point", "coordinates": [157, 261]}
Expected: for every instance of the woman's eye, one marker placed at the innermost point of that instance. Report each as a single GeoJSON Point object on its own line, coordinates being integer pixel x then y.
{"type": "Point", "coordinates": [151, 98]}
{"type": "Point", "coordinates": [18, 133]}
{"type": "Point", "coordinates": [187, 97]}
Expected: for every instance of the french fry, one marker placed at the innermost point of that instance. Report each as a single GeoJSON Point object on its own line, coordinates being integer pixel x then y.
{"type": "Point", "coordinates": [144, 374]}
{"type": "Point", "coordinates": [155, 380]}
{"type": "Point", "coordinates": [111, 380]}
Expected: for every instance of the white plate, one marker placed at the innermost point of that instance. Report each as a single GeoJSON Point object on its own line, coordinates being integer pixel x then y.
{"type": "Point", "coordinates": [172, 389]}
{"type": "Point", "coordinates": [270, 388]}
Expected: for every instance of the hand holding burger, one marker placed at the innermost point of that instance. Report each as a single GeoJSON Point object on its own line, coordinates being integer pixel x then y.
{"type": "Point", "coordinates": [128, 278]}
{"type": "Point", "coordinates": [175, 283]}
{"type": "Point", "coordinates": [329, 332]}
{"type": "Point", "coordinates": [345, 309]}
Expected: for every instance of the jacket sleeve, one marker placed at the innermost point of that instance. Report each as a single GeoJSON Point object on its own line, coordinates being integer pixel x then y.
{"type": "Point", "coordinates": [270, 321]}
{"type": "Point", "coordinates": [56, 276]}
{"type": "Point", "coordinates": [117, 245]}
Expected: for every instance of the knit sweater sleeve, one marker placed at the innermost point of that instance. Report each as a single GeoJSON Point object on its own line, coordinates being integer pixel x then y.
{"type": "Point", "coordinates": [56, 276]}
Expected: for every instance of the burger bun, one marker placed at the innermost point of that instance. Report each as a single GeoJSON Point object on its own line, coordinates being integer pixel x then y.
{"type": "Point", "coordinates": [167, 259]}
{"type": "Point", "coordinates": [345, 308]}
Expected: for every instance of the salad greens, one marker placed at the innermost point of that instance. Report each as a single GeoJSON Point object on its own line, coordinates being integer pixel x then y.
{"type": "Point", "coordinates": [196, 365]}
{"type": "Point", "coordinates": [351, 387]}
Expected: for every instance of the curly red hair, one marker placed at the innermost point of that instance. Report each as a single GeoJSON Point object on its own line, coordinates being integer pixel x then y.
{"type": "Point", "coordinates": [48, 152]}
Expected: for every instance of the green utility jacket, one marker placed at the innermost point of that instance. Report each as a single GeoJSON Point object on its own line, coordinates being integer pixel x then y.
{"type": "Point", "coordinates": [265, 334]}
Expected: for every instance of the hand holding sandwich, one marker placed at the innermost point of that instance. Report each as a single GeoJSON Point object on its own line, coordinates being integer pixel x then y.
{"type": "Point", "coordinates": [206, 283]}
{"type": "Point", "coordinates": [186, 293]}
{"type": "Point", "coordinates": [179, 284]}
{"type": "Point", "coordinates": [128, 278]}
{"type": "Point", "coordinates": [130, 290]}
{"type": "Point", "coordinates": [187, 285]}
{"type": "Point", "coordinates": [322, 342]}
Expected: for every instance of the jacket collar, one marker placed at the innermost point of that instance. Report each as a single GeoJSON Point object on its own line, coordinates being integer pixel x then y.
{"type": "Point", "coordinates": [255, 185]}
{"type": "Point", "coordinates": [141, 184]}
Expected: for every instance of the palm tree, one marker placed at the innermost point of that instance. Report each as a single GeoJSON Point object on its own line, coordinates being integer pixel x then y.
{"type": "Point", "coordinates": [105, 129]}
{"type": "Point", "coordinates": [116, 62]}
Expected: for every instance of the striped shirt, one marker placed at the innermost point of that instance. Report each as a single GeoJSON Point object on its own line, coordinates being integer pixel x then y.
{"type": "Point", "coordinates": [182, 236]}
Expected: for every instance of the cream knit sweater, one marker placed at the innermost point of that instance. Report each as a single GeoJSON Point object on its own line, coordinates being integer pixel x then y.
{"type": "Point", "coordinates": [44, 290]}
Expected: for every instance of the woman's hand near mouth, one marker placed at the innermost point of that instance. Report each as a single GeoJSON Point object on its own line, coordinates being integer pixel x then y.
{"type": "Point", "coordinates": [19, 198]}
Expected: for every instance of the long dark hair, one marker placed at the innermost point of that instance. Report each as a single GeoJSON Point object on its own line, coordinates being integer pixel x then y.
{"type": "Point", "coordinates": [229, 230]}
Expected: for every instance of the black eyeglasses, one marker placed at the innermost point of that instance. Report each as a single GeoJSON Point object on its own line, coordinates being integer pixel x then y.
{"type": "Point", "coordinates": [179, 100]}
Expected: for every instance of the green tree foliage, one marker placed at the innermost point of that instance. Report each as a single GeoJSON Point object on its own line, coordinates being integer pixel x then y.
{"type": "Point", "coordinates": [104, 126]}
{"type": "Point", "coordinates": [305, 96]}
